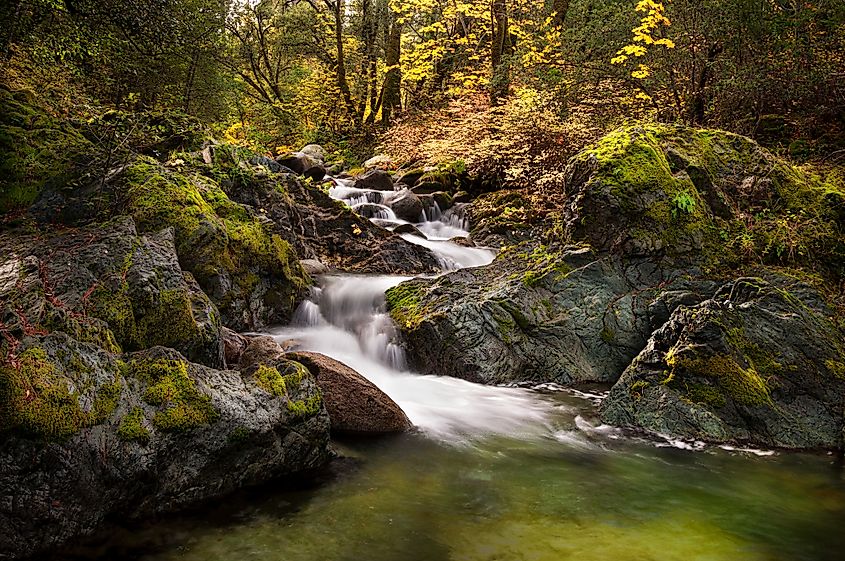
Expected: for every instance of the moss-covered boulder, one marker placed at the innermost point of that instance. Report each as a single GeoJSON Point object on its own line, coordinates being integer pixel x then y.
{"type": "Point", "coordinates": [249, 271]}
{"type": "Point", "coordinates": [539, 314]}
{"type": "Point", "coordinates": [87, 436]}
{"type": "Point", "coordinates": [107, 285]}
{"type": "Point", "coordinates": [761, 363]}
{"type": "Point", "coordinates": [712, 197]}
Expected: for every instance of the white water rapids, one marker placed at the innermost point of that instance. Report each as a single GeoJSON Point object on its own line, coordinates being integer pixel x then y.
{"type": "Point", "coordinates": [346, 319]}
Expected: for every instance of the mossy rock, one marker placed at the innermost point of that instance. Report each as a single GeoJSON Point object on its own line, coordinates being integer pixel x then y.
{"type": "Point", "coordinates": [727, 371]}
{"type": "Point", "coordinates": [231, 251]}
{"type": "Point", "coordinates": [708, 196]}
{"type": "Point", "coordinates": [53, 387]}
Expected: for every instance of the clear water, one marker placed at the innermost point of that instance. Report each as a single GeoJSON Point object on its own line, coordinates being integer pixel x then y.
{"type": "Point", "coordinates": [501, 474]}
{"type": "Point", "coordinates": [571, 494]}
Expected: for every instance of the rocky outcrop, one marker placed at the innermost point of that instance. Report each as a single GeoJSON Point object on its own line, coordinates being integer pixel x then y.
{"type": "Point", "coordinates": [651, 222]}
{"type": "Point", "coordinates": [564, 317]}
{"type": "Point", "coordinates": [88, 436]}
{"type": "Point", "coordinates": [760, 362]}
{"type": "Point", "coordinates": [354, 404]}
{"type": "Point", "coordinates": [407, 206]}
{"type": "Point", "coordinates": [110, 286]}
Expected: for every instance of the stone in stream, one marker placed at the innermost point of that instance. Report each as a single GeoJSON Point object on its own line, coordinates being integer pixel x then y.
{"type": "Point", "coordinates": [298, 162]}
{"type": "Point", "coordinates": [428, 188]}
{"type": "Point", "coordinates": [374, 179]}
{"type": "Point", "coordinates": [760, 362]}
{"type": "Point", "coordinates": [407, 206]}
{"type": "Point", "coordinates": [411, 177]}
{"type": "Point", "coordinates": [409, 229]}
{"type": "Point", "coordinates": [354, 404]}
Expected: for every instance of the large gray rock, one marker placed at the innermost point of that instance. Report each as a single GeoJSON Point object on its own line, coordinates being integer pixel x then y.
{"type": "Point", "coordinates": [354, 404]}
{"type": "Point", "coordinates": [150, 435]}
{"type": "Point", "coordinates": [315, 152]}
{"type": "Point", "coordinates": [759, 363]}
{"type": "Point", "coordinates": [78, 279]}
{"type": "Point", "coordinates": [533, 315]}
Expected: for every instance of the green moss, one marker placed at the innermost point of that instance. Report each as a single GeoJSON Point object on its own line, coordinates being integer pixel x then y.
{"type": "Point", "coordinates": [270, 380]}
{"type": "Point", "coordinates": [38, 401]}
{"type": "Point", "coordinates": [238, 434]}
{"type": "Point", "coordinates": [404, 302]}
{"type": "Point", "coordinates": [542, 262]}
{"type": "Point", "coordinates": [742, 385]}
{"type": "Point", "coordinates": [707, 395]}
{"type": "Point", "coordinates": [636, 389]}
{"type": "Point", "coordinates": [132, 426]}
{"type": "Point", "coordinates": [303, 408]}
{"type": "Point", "coordinates": [106, 401]}
{"type": "Point", "coordinates": [274, 382]}
{"type": "Point", "coordinates": [607, 335]}
{"type": "Point", "coordinates": [183, 406]}
{"type": "Point", "coordinates": [836, 368]}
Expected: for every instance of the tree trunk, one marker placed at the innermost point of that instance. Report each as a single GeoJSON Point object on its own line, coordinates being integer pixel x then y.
{"type": "Point", "coordinates": [560, 8]}
{"type": "Point", "coordinates": [340, 69]}
{"type": "Point", "coordinates": [391, 98]}
{"type": "Point", "coordinates": [501, 49]}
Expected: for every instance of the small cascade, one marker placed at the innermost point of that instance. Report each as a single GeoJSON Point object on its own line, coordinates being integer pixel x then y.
{"type": "Point", "coordinates": [347, 319]}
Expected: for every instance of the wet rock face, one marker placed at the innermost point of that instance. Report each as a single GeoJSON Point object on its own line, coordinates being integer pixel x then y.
{"type": "Point", "coordinates": [761, 362]}
{"type": "Point", "coordinates": [81, 280]}
{"type": "Point", "coordinates": [354, 404]}
{"type": "Point", "coordinates": [569, 317]}
{"type": "Point", "coordinates": [153, 433]}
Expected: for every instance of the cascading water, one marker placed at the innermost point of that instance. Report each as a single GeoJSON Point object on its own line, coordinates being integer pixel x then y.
{"type": "Point", "coordinates": [547, 482]}
{"type": "Point", "coordinates": [347, 319]}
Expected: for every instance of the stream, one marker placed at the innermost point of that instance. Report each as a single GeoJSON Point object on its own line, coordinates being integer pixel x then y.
{"type": "Point", "coordinates": [496, 473]}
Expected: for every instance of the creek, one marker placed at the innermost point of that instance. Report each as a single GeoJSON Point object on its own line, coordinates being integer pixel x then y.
{"type": "Point", "coordinates": [501, 473]}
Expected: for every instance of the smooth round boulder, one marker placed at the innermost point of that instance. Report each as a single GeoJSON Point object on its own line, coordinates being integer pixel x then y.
{"type": "Point", "coordinates": [407, 206]}
{"type": "Point", "coordinates": [315, 152]}
{"type": "Point", "coordinates": [355, 405]}
{"type": "Point", "coordinates": [379, 162]}
{"type": "Point", "coordinates": [375, 179]}
{"type": "Point", "coordinates": [461, 197]}
{"type": "Point", "coordinates": [317, 173]}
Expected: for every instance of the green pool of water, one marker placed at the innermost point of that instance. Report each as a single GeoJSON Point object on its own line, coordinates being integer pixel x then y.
{"type": "Point", "coordinates": [566, 495]}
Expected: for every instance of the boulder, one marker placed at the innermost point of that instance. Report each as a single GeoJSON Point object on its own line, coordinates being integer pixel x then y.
{"type": "Point", "coordinates": [407, 206]}
{"type": "Point", "coordinates": [268, 163]}
{"type": "Point", "coordinates": [761, 363]}
{"type": "Point", "coordinates": [411, 177]}
{"type": "Point", "coordinates": [314, 266]}
{"type": "Point", "coordinates": [427, 188]}
{"type": "Point", "coordinates": [375, 179]}
{"type": "Point", "coordinates": [354, 404]}
{"type": "Point", "coordinates": [443, 200]}
{"type": "Point", "coordinates": [567, 316]}
{"type": "Point", "coordinates": [379, 162]}
{"type": "Point", "coordinates": [298, 162]}
{"type": "Point", "coordinates": [233, 346]}
{"type": "Point", "coordinates": [149, 434]}
{"type": "Point", "coordinates": [315, 152]}
{"type": "Point", "coordinates": [461, 197]}
{"type": "Point", "coordinates": [259, 350]}
{"type": "Point", "coordinates": [315, 173]}
{"type": "Point", "coordinates": [110, 285]}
